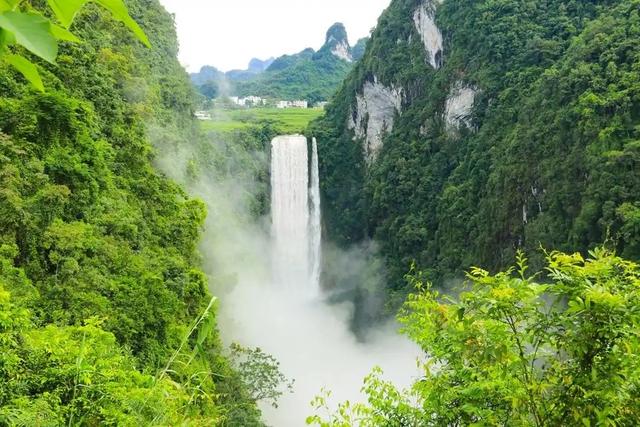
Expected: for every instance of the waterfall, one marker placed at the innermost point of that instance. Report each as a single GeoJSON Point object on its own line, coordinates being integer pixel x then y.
{"type": "Point", "coordinates": [315, 231]}
{"type": "Point", "coordinates": [290, 211]}
{"type": "Point", "coordinates": [295, 214]}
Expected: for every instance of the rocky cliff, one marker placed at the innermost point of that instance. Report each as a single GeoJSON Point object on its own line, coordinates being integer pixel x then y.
{"type": "Point", "coordinates": [470, 130]}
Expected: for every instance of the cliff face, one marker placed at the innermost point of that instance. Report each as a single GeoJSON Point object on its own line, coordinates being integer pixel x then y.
{"type": "Point", "coordinates": [469, 130]}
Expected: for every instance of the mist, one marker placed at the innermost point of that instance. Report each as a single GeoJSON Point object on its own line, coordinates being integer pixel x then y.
{"type": "Point", "coordinates": [310, 336]}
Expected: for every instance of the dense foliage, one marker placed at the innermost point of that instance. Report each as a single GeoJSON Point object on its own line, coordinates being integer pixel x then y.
{"type": "Point", "coordinates": [512, 351]}
{"type": "Point", "coordinates": [550, 154]}
{"type": "Point", "coordinates": [106, 317]}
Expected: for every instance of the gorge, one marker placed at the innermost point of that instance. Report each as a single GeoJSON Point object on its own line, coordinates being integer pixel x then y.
{"type": "Point", "coordinates": [473, 181]}
{"type": "Point", "coordinates": [286, 313]}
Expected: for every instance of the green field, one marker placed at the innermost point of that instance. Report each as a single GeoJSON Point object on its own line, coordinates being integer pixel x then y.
{"type": "Point", "coordinates": [287, 121]}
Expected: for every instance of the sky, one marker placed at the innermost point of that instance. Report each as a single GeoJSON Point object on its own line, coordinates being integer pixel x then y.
{"type": "Point", "coordinates": [228, 33]}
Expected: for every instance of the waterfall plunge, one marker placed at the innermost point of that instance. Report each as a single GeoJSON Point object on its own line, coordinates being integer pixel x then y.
{"type": "Point", "coordinates": [288, 317]}
{"type": "Point", "coordinates": [295, 213]}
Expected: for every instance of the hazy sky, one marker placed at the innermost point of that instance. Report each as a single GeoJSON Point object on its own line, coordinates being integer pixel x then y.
{"type": "Point", "coordinates": [228, 33]}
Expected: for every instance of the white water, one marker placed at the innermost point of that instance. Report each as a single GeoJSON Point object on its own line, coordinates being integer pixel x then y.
{"type": "Point", "coordinates": [290, 234]}
{"type": "Point", "coordinates": [277, 305]}
{"type": "Point", "coordinates": [315, 222]}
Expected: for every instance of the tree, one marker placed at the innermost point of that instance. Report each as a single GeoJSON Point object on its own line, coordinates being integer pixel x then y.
{"type": "Point", "coordinates": [513, 351]}
{"type": "Point", "coordinates": [261, 374]}
{"type": "Point", "coordinates": [210, 89]}
{"type": "Point", "coordinates": [23, 26]}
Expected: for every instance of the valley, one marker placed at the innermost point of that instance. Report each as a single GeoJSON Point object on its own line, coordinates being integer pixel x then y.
{"type": "Point", "coordinates": [436, 225]}
{"type": "Point", "coordinates": [286, 121]}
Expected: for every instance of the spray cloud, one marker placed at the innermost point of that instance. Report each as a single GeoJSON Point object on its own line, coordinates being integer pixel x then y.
{"type": "Point", "coordinates": [310, 338]}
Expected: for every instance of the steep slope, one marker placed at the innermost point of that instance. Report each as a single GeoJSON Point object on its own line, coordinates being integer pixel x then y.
{"type": "Point", "coordinates": [309, 75]}
{"type": "Point", "coordinates": [472, 129]}
{"type": "Point", "coordinates": [357, 51]}
{"type": "Point", "coordinates": [99, 272]}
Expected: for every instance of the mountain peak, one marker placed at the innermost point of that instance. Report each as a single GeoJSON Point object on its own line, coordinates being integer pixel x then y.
{"type": "Point", "coordinates": [257, 65]}
{"type": "Point", "coordinates": [336, 34]}
{"type": "Point", "coordinates": [338, 42]}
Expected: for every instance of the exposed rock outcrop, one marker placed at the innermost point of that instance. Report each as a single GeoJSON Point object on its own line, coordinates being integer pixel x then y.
{"type": "Point", "coordinates": [424, 20]}
{"type": "Point", "coordinates": [342, 51]}
{"type": "Point", "coordinates": [459, 105]}
{"type": "Point", "coordinates": [374, 114]}
{"type": "Point", "coordinates": [338, 43]}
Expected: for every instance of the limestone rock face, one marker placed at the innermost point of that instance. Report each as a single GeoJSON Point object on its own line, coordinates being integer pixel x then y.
{"type": "Point", "coordinates": [338, 42]}
{"type": "Point", "coordinates": [459, 105]}
{"type": "Point", "coordinates": [374, 114]}
{"type": "Point", "coordinates": [424, 20]}
{"type": "Point", "coordinates": [342, 51]}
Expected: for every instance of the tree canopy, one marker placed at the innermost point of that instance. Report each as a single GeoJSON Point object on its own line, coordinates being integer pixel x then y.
{"type": "Point", "coordinates": [512, 350]}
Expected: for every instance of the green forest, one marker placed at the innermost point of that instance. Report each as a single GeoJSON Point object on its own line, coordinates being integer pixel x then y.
{"type": "Point", "coordinates": [548, 157]}
{"type": "Point", "coordinates": [106, 315]}
{"type": "Point", "coordinates": [506, 242]}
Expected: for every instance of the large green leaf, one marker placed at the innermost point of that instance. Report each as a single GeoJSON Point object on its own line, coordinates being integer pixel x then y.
{"type": "Point", "coordinates": [27, 68]}
{"type": "Point", "coordinates": [6, 39]}
{"type": "Point", "coordinates": [63, 34]}
{"type": "Point", "coordinates": [119, 11]}
{"type": "Point", "coordinates": [66, 10]}
{"type": "Point", "coordinates": [32, 31]}
{"type": "Point", "coordinates": [8, 5]}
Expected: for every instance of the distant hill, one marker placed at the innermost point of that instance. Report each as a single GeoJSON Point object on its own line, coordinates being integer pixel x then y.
{"type": "Point", "coordinates": [256, 66]}
{"type": "Point", "coordinates": [206, 74]}
{"type": "Point", "coordinates": [357, 51]}
{"type": "Point", "coordinates": [308, 74]}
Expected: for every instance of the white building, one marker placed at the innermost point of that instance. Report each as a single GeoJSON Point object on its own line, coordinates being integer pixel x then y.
{"type": "Point", "coordinates": [293, 104]}
{"type": "Point", "coordinates": [203, 115]}
{"type": "Point", "coordinates": [254, 100]}
{"type": "Point", "coordinates": [249, 101]}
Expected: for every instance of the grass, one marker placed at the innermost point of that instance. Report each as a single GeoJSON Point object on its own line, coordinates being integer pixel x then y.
{"type": "Point", "coordinates": [287, 121]}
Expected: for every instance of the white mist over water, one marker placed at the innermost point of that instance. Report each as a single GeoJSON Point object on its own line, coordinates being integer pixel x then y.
{"type": "Point", "coordinates": [289, 320]}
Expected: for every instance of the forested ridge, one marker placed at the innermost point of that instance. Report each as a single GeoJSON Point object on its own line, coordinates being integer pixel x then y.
{"type": "Point", "coordinates": [547, 154]}
{"type": "Point", "coordinates": [106, 317]}
{"type": "Point", "coordinates": [308, 75]}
